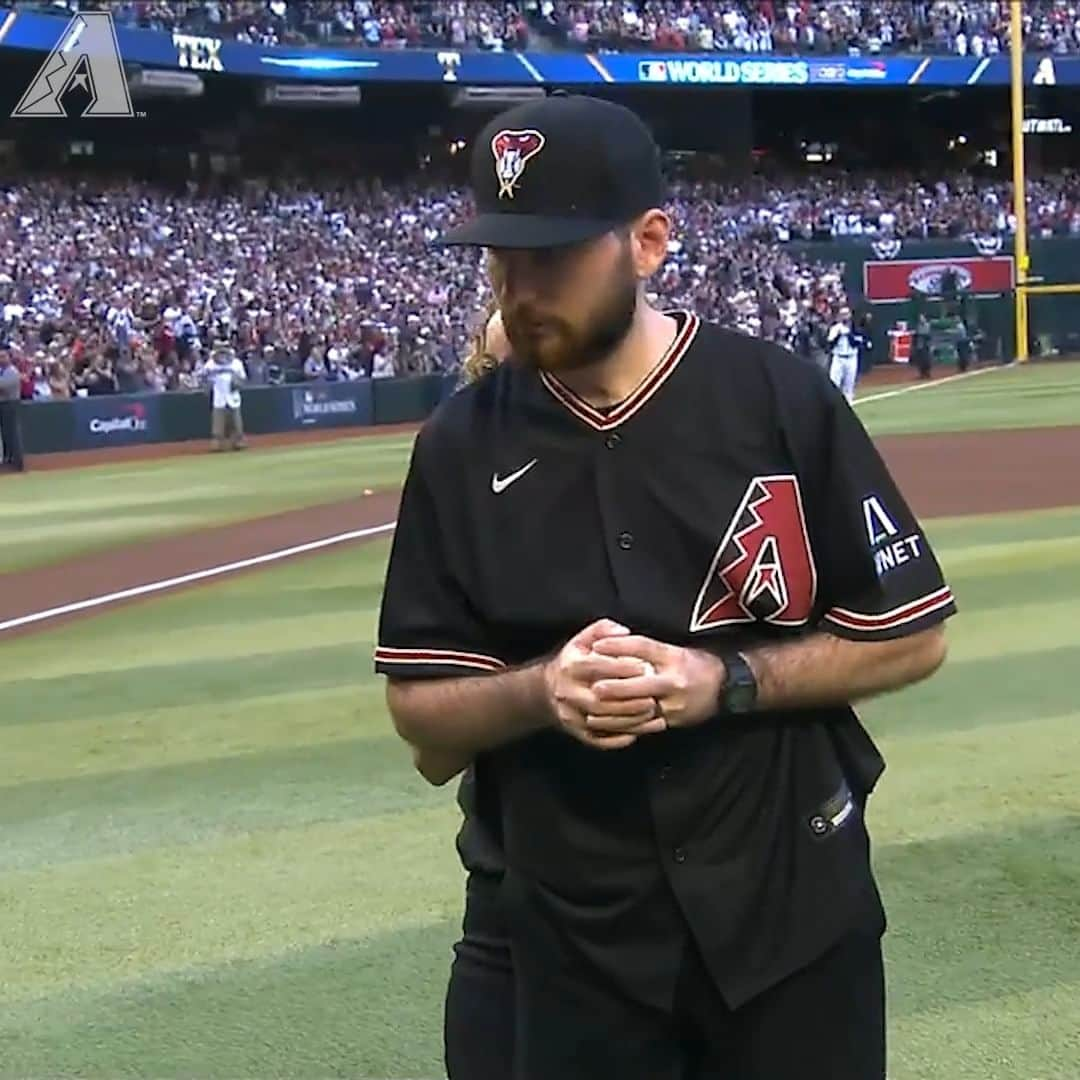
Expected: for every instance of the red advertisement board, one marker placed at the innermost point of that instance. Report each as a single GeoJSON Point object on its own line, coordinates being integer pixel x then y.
{"type": "Point", "coordinates": [895, 279]}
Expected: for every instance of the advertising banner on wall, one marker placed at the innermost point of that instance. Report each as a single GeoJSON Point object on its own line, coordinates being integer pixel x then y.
{"type": "Point", "coordinates": [115, 421]}
{"type": "Point", "coordinates": [889, 281]}
{"type": "Point", "coordinates": [329, 405]}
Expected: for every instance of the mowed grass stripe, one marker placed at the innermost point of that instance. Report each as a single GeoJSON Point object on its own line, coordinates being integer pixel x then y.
{"type": "Point", "coordinates": [1040, 395]}
{"type": "Point", "coordinates": [196, 683]}
{"type": "Point", "coordinates": [359, 1009]}
{"type": "Point", "coordinates": [196, 801]}
{"type": "Point", "coordinates": [50, 822]}
{"type": "Point", "coordinates": [334, 597]}
{"type": "Point", "coordinates": [240, 897]}
{"type": "Point", "coordinates": [946, 784]}
{"type": "Point", "coordinates": [59, 514]}
{"type": "Point", "coordinates": [1005, 1038]}
{"type": "Point", "coordinates": [174, 915]}
{"type": "Point", "coordinates": [177, 734]}
{"type": "Point", "coordinates": [238, 1006]}
{"type": "Point", "coordinates": [977, 530]}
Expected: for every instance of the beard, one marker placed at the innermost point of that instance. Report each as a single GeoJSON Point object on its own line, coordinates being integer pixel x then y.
{"type": "Point", "coordinates": [549, 343]}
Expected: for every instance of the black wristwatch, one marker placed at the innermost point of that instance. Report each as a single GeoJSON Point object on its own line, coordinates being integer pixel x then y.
{"type": "Point", "coordinates": [738, 695]}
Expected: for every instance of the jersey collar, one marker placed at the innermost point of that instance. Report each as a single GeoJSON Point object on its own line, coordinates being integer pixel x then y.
{"type": "Point", "coordinates": [605, 421]}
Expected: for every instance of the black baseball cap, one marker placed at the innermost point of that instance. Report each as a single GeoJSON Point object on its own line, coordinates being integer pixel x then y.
{"type": "Point", "coordinates": [560, 170]}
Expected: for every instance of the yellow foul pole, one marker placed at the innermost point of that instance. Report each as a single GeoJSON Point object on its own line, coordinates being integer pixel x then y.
{"type": "Point", "coordinates": [1023, 261]}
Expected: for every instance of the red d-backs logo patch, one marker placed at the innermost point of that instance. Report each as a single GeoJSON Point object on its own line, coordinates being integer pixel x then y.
{"type": "Point", "coordinates": [512, 151]}
{"type": "Point", "coordinates": [763, 570]}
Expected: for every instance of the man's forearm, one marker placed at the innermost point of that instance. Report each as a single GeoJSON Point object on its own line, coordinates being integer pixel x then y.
{"type": "Point", "coordinates": [439, 766]}
{"type": "Point", "coordinates": [824, 670]}
{"type": "Point", "coordinates": [465, 716]}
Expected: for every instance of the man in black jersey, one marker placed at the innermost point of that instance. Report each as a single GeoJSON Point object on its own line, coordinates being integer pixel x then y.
{"type": "Point", "coordinates": [640, 572]}
{"type": "Point", "coordinates": [478, 1023]}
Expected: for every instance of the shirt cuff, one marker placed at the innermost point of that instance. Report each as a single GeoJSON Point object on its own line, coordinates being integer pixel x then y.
{"type": "Point", "coordinates": [909, 618]}
{"type": "Point", "coordinates": [433, 663]}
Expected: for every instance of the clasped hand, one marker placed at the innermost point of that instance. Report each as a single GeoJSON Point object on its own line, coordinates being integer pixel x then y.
{"type": "Point", "coordinates": [608, 687]}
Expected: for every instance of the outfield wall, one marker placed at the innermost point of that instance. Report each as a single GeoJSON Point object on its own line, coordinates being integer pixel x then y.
{"type": "Point", "coordinates": [137, 419]}
{"type": "Point", "coordinates": [870, 282]}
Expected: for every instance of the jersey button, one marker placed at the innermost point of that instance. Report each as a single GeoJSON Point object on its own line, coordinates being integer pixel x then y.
{"type": "Point", "coordinates": [679, 855]}
{"type": "Point", "coordinates": [665, 772]}
{"type": "Point", "coordinates": [626, 540]}
{"type": "Point", "coordinates": [613, 440]}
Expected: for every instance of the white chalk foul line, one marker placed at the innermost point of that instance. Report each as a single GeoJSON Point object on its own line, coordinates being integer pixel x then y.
{"type": "Point", "coordinates": [930, 385]}
{"type": "Point", "coordinates": [197, 575]}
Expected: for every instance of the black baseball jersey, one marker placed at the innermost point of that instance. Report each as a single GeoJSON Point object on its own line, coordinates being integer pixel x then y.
{"type": "Point", "coordinates": [479, 841]}
{"type": "Point", "coordinates": [733, 498]}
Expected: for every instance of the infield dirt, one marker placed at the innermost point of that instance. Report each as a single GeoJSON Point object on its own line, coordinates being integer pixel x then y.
{"type": "Point", "coordinates": [941, 475]}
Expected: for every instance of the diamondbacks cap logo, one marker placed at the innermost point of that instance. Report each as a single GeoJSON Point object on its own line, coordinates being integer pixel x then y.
{"type": "Point", "coordinates": [87, 57]}
{"type": "Point", "coordinates": [763, 570]}
{"type": "Point", "coordinates": [512, 151]}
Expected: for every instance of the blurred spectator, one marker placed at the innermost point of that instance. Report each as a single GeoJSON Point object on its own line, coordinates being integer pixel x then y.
{"type": "Point", "coordinates": [391, 24]}
{"type": "Point", "coordinates": [122, 287]}
{"type": "Point", "coordinates": [965, 27]}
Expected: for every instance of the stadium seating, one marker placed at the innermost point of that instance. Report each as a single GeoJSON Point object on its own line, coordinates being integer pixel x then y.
{"type": "Point", "coordinates": [347, 285]}
{"type": "Point", "coordinates": [965, 27]}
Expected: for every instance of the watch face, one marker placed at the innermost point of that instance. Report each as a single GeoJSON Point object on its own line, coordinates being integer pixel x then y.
{"type": "Point", "coordinates": [741, 697]}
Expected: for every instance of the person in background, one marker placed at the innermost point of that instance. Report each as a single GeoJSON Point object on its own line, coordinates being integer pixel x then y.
{"type": "Point", "coordinates": [10, 392]}
{"type": "Point", "coordinates": [314, 369]}
{"type": "Point", "coordinates": [844, 354]}
{"type": "Point", "coordinates": [59, 380]}
{"type": "Point", "coordinates": [920, 346]}
{"type": "Point", "coordinates": [257, 363]}
{"type": "Point", "coordinates": [382, 367]}
{"type": "Point", "coordinates": [129, 376]}
{"type": "Point", "coordinates": [864, 340]}
{"type": "Point", "coordinates": [489, 348]}
{"type": "Point", "coordinates": [96, 379]}
{"type": "Point", "coordinates": [42, 388]}
{"type": "Point", "coordinates": [963, 345]}
{"type": "Point", "coordinates": [226, 375]}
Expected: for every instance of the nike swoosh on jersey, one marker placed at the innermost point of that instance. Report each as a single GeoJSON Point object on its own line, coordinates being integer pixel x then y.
{"type": "Point", "coordinates": [500, 483]}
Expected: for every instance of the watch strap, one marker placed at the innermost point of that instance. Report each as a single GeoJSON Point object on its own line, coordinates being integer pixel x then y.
{"type": "Point", "coordinates": [739, 692]}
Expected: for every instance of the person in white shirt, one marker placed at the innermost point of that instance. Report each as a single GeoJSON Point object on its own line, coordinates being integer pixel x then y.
{"type": "Point", "coordinates": [226, 374]}
{"type": "Point", "coordinates": [844, 354]}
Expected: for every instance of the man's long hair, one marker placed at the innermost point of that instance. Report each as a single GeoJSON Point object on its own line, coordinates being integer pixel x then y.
{"type": "Point", "coordinates": [478, 361]}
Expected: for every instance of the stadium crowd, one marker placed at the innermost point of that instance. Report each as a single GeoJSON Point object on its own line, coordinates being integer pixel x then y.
{"type": "Point", "coordinates": [123, 287]}
{"type": "Point", "coordinates": [965, 27]}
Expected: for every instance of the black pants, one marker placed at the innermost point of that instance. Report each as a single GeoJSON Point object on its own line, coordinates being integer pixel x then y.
{"type": "Point", "coordinates": [479, 1020]}
{"type": "Point", "coordinates": [825, 1022]}
{"type": "Point", "coordinates": [922, 359]}
{"type": "Point", "coordinates": [10, 434]}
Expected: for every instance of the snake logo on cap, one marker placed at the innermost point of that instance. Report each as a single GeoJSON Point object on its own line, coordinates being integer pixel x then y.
{"type": "Point", "coordinates": [512, 151]}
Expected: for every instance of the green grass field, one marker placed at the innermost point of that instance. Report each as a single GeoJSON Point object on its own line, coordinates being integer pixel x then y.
{"type": "Point", "coordinates": [217, 861]}
{"type": "Point", "coordinates": [65, 514]}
